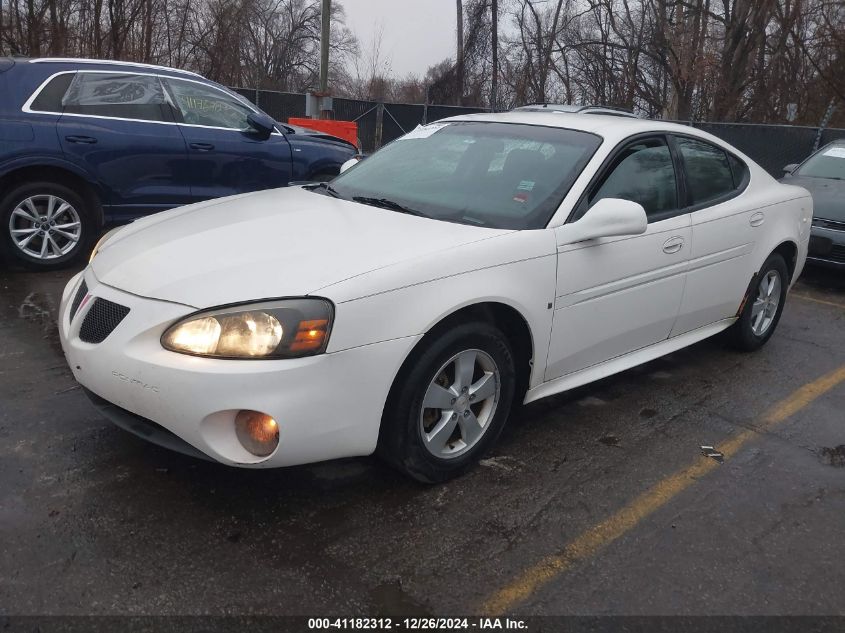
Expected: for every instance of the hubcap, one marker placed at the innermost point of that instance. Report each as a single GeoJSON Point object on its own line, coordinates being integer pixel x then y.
{"type": "Point", "coordinates": [765, 306]}
{"type": "Point", "coordinates": [45, 227]}
{"type": "Point", "coordinates": [459, 404]}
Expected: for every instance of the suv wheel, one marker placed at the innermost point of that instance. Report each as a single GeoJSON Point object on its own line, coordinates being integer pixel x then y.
{"type": "Point", "coordinates": [45, 225]}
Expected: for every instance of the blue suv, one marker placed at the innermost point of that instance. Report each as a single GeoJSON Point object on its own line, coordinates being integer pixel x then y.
{"type": "Point", "coordinates": [84, 143]}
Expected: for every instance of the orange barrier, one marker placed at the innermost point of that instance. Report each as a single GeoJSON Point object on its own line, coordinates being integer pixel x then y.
{"type": "Point", "coordinates": [347, 130]}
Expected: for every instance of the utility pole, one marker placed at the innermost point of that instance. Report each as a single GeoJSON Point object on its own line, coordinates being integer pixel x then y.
{"type": "Point", "coordinates": [459, 62]}
{"type": "Point", "coordinates": [325, 34]}
{"type": "Point", "coordinates": [495, 28]}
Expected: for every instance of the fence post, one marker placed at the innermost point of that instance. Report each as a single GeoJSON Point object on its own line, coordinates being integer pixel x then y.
{"type": "Point", "coordinates": [379, 121]}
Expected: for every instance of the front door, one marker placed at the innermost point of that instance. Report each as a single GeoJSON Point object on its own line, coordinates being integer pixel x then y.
{"type": "Point", "coordinates": [616, 295]}
{"type": "Point", "coordinates": [120, 128]}
{"type": "Point", "coordinates": [226, 156]}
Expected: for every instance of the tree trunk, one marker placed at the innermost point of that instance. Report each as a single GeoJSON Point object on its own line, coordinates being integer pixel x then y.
{"type": "Point", "coordinates": [494, 88]}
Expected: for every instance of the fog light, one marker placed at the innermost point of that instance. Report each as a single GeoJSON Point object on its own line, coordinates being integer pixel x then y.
{"type": "Point", "coordinates": [257, 432]}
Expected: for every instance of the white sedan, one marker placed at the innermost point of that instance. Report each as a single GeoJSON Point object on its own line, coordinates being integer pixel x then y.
{"type": "Point", "coordinates": [405, 307]}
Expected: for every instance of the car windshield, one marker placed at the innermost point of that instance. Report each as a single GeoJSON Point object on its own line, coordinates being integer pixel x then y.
{"type": "Point", "coordinates": [828, 163]}
{"type": "Point", "coordinates": [498, 175]}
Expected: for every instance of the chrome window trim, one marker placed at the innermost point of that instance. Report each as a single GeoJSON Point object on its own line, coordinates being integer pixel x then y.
{"type": "Point", "coordinates": [113, 62]}
{"type": "Point", "coordinates": [27, 106]}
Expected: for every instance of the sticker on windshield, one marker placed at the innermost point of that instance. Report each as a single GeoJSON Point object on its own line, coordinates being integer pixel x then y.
{"type": "Point", "coordinates": [836, 152]}
{"type": "Point", "coordinates": [423, 131]}
{"type": "Point", "coordinates": [525, 185]}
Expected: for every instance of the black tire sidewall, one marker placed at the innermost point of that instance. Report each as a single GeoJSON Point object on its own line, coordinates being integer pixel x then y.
{"type": "Point", "coordinates": [9, 202]}
{"type": "Point", "coordinates": [744, 336]}
{"type": "Point", "coordinates": [400, 441]}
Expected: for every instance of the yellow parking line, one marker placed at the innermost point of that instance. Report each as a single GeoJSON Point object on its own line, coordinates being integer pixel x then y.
{"type": "Point", "coordinates": [809, 298]}
{"type": "Point", "coordinates": [600, 535]}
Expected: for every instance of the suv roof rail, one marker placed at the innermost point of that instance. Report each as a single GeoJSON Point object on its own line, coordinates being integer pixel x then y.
{"type": "Point", "coordinates": [80, 60]}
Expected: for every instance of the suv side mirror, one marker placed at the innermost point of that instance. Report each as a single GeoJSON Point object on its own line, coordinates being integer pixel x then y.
{"type": "Point", "coordinates": [261, 124]}
{"type": "Point", "coordinates": [609, 217]}
{"type": "Point", "coordinates": [791, 167]}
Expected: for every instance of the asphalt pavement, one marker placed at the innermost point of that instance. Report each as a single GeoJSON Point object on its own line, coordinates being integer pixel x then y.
{"type": "Point", "coordinates": [597, 501]}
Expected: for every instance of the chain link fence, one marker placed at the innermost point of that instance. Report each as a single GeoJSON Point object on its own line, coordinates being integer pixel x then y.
{"type": "Point", "coordinates": [772, 146]}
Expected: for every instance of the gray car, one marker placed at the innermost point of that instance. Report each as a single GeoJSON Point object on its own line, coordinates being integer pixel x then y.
{"type": "Point", "coordinates": [823, 175]}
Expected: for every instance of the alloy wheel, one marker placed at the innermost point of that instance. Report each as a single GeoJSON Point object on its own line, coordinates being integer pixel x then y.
{"type": "Point", "coordinates": [460, 403]}
{"type": "Point", "coordinates": [765, 306]}
{"type": "Point", "coordinates": [45, 227]}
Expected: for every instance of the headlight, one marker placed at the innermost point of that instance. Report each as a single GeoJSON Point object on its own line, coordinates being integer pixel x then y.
{"type": "Point", "coordinates": [103, 240]}
{"type": "Point", "coordinates": [288, 328]}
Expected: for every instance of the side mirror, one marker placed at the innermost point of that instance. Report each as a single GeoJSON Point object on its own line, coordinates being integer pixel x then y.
{"type": "Point", "coordinates": [351, 162]}
{"type": "Point", "coordinates": [608, 217]}
{"type": "Point", "coordinates": [261, 124]}
{"type": "Point", "coordinates": [791, 167]}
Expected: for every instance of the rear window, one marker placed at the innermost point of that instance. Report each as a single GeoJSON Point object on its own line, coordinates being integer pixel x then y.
{"type": "Point", "coordinates": [50, 97]}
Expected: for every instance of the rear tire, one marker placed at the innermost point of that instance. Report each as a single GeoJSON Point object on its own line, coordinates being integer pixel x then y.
{"type": "Point", "coordinates": [763, 306]}
{"type": "Point", "coordinates": [45, 226]}
{"type": "Point", "coordinates": [467, 376]}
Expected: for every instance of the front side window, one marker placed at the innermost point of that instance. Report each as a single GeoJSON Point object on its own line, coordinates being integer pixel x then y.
{"type": "Point", "coordinates": [126, 96]}
{"type": "Point", "coordinates": [642, 173]}
{"type": "Point", "coordinates": [828, 163]}
{"type": "Point", "coordinates": [499, 175]}
{"type": "Point", "coordinates": [707, 169]}
{"type": "Point", "coordinates": [205, 105]}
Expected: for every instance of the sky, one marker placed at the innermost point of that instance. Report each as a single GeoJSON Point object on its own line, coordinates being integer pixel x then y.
{"type": "Point", "coordinates": [416, 33]}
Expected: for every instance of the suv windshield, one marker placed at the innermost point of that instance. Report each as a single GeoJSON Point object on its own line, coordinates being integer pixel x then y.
{"type": "Point", "coordinates": [828, 163]}
{"type": "Point", "coordinates": [498, 175]}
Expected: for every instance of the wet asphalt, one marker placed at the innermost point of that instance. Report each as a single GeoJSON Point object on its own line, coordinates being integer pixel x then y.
{"type": "Point", "coordinates": [95, 521]}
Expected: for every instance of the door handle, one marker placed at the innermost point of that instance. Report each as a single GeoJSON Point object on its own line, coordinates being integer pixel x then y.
{"type": "Point", "coordinates": [85, 140]}
{"type": "Point", "coordinates": [673, 245]}
{"type": "Point", "coordinates": [203, 147]}
{"type": "Point", "coordinates": [757, 219]}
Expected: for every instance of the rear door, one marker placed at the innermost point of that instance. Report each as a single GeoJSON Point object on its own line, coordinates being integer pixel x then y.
{"type": "Point", "coordinates": [724, 229]}
{"type": "Point", "coordinates": [616, 295]}
{"type": "Point", "coordinates": [120, 128]}
{"type": "Point", "coordinates": [226, 156]}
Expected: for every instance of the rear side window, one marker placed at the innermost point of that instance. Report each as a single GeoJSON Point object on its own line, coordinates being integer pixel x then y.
{"type": "Point", "coordinates": [125, 96]}
{"type": "Point", "coordinates": [50, 97]}
{"type": "Point", "coordinates": [643, 173]}
{"type": "Point", "coordinates": [708, 171]}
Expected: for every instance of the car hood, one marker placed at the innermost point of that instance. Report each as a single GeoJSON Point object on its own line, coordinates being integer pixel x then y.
{"type": "Point", "coordinates": [276, 243]}
{"type": "Point", "coordinates": [828, 196]}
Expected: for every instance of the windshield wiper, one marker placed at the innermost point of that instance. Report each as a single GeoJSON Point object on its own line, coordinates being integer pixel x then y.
{"type": "Point", "coordinates": [327, 188]}
{"type": "Point", "coordinates": [384, 203]}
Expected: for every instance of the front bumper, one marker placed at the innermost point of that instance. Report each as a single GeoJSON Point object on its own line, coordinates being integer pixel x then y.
{"type": "Point", "coordinates": [327, 406]}
{"type": "Point", "coordinates": [827, 247]}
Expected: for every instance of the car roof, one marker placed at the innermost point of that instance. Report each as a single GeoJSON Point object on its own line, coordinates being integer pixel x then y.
{"type": "Point", "coordinates": [584, 109]}
{"type": "Point", "coordinates": [611, 128]}
{"type": "Point", "coordinates": [107, 62]}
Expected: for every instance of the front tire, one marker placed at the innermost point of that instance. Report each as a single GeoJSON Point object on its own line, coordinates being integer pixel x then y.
{"type": "Point", "coordinates": [763, 306]}
{"type": "Point", "coordinates": [449, 403]}
{"type": "Point", "coordinates": [45, 225]}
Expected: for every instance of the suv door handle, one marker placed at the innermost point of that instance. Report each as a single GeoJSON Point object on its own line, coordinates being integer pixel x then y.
{"type": "Point", "coordinates": [673, 245]}
{"type": "Point", "coordinates": [85, 140]}
{"type": "Point", "coordinates": [203, 147]}
{"type": "Point", "coordinates": [757, 219]}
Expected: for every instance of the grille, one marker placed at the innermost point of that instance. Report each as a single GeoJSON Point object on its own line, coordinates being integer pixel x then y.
{"type": "Point", "coordinates": [80, 295]}
{"type": "Point", "coordinates": [101, 320]}
{"type": "Point", "coordinates": [837, 253]}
